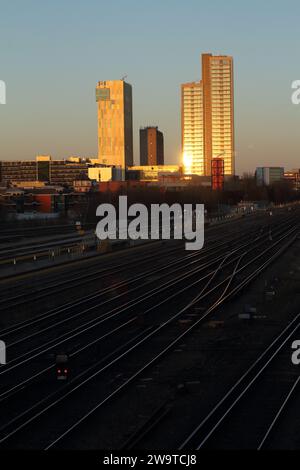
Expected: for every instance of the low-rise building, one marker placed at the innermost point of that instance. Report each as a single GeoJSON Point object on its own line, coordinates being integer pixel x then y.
{"type": "Point", "coordinates": [43, 169]}
{"type": "Point", "coordinates": [293, 176]}
{"type": "Point", "coordinates": [153, 173]}
{"type": "Point", "coordinates": [104, 174]}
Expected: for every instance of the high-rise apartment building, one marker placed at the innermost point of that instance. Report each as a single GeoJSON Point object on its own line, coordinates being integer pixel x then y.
{"type": "Point", "coordinates": [207, 109]}
{"type": "Point", "coordinates": [192, 128]}
{"type": "Point", "coordinates": [115, 129]}
{"type": "Point", "coordinates": [151, 146]}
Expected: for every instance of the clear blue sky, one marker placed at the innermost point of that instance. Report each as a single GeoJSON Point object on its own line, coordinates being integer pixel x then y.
{"type": "Point", "coordinates": [53, 53]}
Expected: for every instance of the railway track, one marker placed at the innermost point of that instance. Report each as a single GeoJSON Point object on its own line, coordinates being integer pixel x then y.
{"type": "Point", "coordinates": [90, 325]}
{"type": "Point", "coordinates": [42, 250]}
{"type": "Point", "coordinates": [237, 421]}
{"type": "Point", "coordinates": [65, 437]}
{"type": "Point", "coordinates": [189, 271]}
{"type": "Point", "coordinates": [27, 292]}
{"type": "Point", "coordinates": [9, 300]}
{"type": "Point", "coordinates": [141, 327]}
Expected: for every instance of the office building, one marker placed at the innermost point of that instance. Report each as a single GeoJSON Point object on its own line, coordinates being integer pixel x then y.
{"type": "Point", "coordinates": [266, 176]}
{"type": "Point", "coordinates": [151, 146]}
{"type": "Point", "coordinates": [115, 128]}
{"type": "Point", "coordinates": [207, 110]}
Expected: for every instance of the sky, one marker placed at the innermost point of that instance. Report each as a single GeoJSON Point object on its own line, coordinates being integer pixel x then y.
{"type": "Point", "coordinates": [53, 53]}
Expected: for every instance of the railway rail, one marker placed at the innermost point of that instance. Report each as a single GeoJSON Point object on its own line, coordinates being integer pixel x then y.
{"type": "Point", "coordinates": [147, 327]}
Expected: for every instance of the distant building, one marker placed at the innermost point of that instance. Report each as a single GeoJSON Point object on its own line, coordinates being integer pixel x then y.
{"type": "Point", "coordinates": [153, 173]}
{"type": "Point", "coordinates": [64, 173]}
{"type": "Point", "coordinates": [17, 171]}
{"type": "Point", "coordinates": [43, 169]}
{"type": "Point", "coordinates": [105, 174]}
{"type": "Point", "coordinates": [84, 186]}
{"type": "Point", "coordinates": [115, 128]}
{"type": "Point", "coordinates": [207, 117]}
{"type": "Point", "coordinates": [43, 172]}
{"type": "Point", "coordinates": [151, 146]}
{"type": "Point", "coordinates": [217, 174]}
{"type": "Point", "coordinates": [266, 176]}
{"type": "Point", "coordinates": [293, 176]}
{"type": "Point", "coordinates": [44, 199]}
